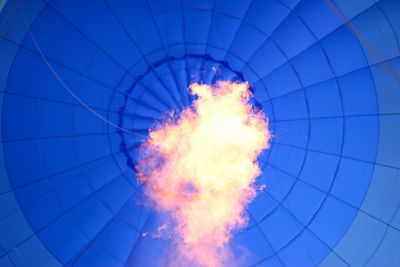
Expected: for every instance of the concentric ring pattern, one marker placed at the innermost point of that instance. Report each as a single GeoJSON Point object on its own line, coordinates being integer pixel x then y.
{"type": "Point", "coordinates": [82, 81]}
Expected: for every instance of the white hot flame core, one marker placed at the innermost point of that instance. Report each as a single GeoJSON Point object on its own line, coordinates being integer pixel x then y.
{"type": "Point", "coordinates": [200, 166]}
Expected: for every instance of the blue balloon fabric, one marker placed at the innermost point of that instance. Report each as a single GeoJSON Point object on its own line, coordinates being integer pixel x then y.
{"type": "Point", "coordinates": [81, 82]}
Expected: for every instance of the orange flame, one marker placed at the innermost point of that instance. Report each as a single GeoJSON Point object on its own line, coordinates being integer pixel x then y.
{"type": "Point", "coordinates": [200, 166]}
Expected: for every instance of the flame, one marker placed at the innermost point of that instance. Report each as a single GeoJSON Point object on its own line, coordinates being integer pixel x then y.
{"type": "Point", "coordinates": [200, 166]}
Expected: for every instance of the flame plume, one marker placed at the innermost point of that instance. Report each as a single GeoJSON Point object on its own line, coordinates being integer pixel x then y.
{"type": "Point", "coordinates": [200, 167]}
